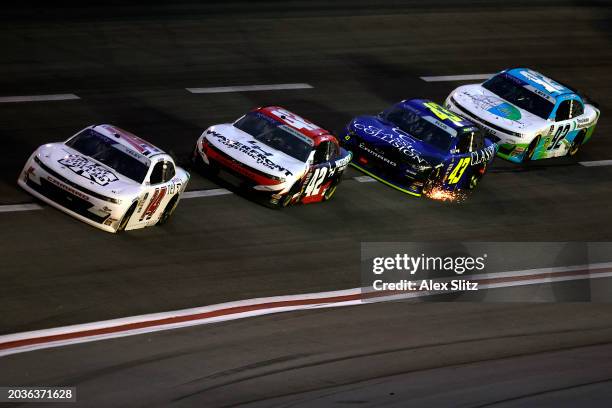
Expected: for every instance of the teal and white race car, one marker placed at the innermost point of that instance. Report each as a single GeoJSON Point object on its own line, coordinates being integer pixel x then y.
{"type": "Point", "coordinates": [528, 115]}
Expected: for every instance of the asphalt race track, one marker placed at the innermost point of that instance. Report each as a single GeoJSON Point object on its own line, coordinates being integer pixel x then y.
{"type": "Point", "coordinates": [131, 65]}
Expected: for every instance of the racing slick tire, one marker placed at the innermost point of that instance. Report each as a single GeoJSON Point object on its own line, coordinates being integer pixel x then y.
{"type": "Point", "coordinates": [430, 182]}
{"type": "Point", "coordinates": [170, 207]}
{"type": "Point", "coordinates": [126, 218]}
{"type": "Point", "coordinates": [531, 149]}
{"type": "Point", "coordinates": [473, 182]}
{"type": "Point", "coordinates": [575, 147]}
{"type": "Point", "coordinates": [331, 190]}
{"type": "Point", "coordinates": [329, 193]}
{"type": "Point", "coordinates": [285, 201]}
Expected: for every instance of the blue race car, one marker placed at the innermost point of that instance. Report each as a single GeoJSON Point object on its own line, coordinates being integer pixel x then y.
{"type": "Point", "coordinates": [420, 148]}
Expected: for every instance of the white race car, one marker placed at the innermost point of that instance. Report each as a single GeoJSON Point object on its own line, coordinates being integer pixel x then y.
{"type": "Point", "coordinates": [106, 177]}
{"type": "Point", "coordinates": [528, 115]}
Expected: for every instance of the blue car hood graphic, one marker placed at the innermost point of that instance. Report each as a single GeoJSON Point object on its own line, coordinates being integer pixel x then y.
{"type": "Point", "coordinates": [384, 135]}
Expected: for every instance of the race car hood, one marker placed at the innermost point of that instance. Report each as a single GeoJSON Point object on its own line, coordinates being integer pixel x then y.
{"type": "Point", "coordinates": [245, 149]}
{"type": "Point", "coordinates": [379, 133]}
{"type": "Point", "coordinates": [484, 104]}
{"type": "Point", "coordinates": [85, 171]}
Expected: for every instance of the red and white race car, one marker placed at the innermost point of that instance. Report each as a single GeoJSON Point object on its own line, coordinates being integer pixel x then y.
{"type": "Point", "coordinates": [277, 153]}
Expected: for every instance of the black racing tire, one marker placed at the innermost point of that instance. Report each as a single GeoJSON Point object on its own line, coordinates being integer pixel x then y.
{"type": "Point", "coordinates": [473, 182]}
{"type": "Point", "coordinates": [531, 149]}
{"type": "Point", "coordinates": [476, 176]}
{"type": "Point", "coordinates": [430, 182]}
{"type": "Point", "coordinates": [170, 207]}
{"type": "Point", "coordinates": [575, 147]}
{"type": "Point", "coordinates": [126, 218]}
{"type": "Point", "coordinates": [285, 201]}
{"type": "Point", "coordinates": [329, 193]}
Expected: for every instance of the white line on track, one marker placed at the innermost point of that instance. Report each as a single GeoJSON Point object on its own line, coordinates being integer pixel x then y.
{"type": "Point", "coordinates": [38, 98]}
{"type": "Point", "coordinates": [19, 207]}
{"type": "Point", "coordinates": [364, 179]}
{"type": "Point", "coordinates": [249, 88]}
{"type": "Point", "coordinates": [206, 193]}
{"type": "Point", "coordinates": [596, 163]}
{"type": "Point", "coordinates": [128, 326]}
{"type": "Point", "coordinates": [456, 77]}
{"type": "Point", "coordinates": [186, 195]}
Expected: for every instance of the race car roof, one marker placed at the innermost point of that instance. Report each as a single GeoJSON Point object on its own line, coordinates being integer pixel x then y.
{"type": "Point", "coordinates": [542, 83]}
{"type": "Point", "coordinates": [129, 140]}
{"type": "Point", "coordinates": [425, 107]}
{"type": "Point", "coordinates": [305, 127]}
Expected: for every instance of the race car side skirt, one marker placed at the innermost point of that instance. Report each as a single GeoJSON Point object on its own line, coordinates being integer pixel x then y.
{"type": "Point", "coordinates": [374, 176]}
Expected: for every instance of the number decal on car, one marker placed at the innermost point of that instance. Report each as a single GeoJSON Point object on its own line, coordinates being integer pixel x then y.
{"type": "Point", "coordinates": [458, 171]}
{"type": "Point", "coordinates": [156, 200]}
{"type": "Point", "coordinates": [560, 134]}
{"type": "Point", "coordinates": [312, 189]}
{"type": "Point", "coordinates": [443, 113]}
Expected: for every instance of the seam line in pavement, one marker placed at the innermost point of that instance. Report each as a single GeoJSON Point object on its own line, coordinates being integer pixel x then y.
{"type": "Point", "coordinates": [442, 78]}
{"type": "Point", "coordinates": [249, 88]}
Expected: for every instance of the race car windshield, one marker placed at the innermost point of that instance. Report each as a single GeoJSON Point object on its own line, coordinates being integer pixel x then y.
{"type": "Point", "coordinates": [275, 135]}
{"type": "Point", "coordinates": [111, 153]}
{"type": "Point", "coordinates": [413, 124]}
{"type": "Point", "coordinates": [511, 90]}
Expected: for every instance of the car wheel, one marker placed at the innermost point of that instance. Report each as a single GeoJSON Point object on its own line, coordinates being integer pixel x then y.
{"type": "Point", "coordinates": [575, 147]}
{"type": "Point", "coordinates": [329, 193]}
{"type": "Point", "coordinates": [285, 200]}
{"type": "Point", "coordinates": [473, 182]}
{"type": "Point", "coordinates": [126, 218]}
{"type": "Point", "coordinates": [170, 207]}
{"type": "Point", "coordinates": [531, 149]}
{"type": "Point", "coordinates": [430, 182]}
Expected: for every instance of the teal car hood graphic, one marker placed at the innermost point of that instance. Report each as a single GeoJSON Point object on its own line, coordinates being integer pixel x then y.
{"type": "Point", "coordinates": [486, 105]}
{"type": "Point", "coordinates": [507, 111]}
